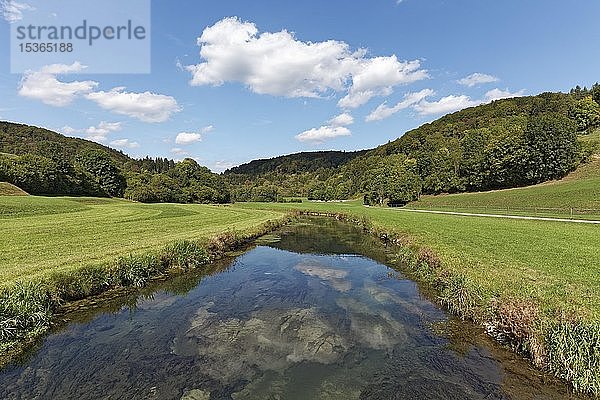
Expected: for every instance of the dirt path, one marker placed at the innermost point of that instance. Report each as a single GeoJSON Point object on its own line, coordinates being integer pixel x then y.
{"type": "Point", "coordinates": [578, 221]}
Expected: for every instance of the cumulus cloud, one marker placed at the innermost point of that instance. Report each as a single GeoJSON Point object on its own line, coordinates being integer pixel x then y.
{"type": "Point", "coordinates": [97, 133]}
{"type": "Point", "coordinates": [12, 11]}
{"type": "Point", "coordinates": [279, 64]}
{"type": "Point", "coordinates": [445, 105]}
{"type": "Point", "coordinates": [377, 76]}
{"type": "Point", "coordinates": [146, 106]}
{"type": "Point", "coordinates": [497, 94]}
{"type": "Point", "coordinates": [185, 138]}
{"type": "Point", "coordinates": [43, 85]}
{"type": "Point", "coordinates": [222, 165]}
{"type": "Point", "coordinates": [410, 99]}
{"type": "Point", "coordinates": [418, 102]}
{"type": "Point", "coordinates": [477, 79]}
{"type": "Point", "coordinates": [125, 143]}
{"type": "Point", "coordinates": [323, 133]}
{"type": "Point", "coordinates": [343, 119]}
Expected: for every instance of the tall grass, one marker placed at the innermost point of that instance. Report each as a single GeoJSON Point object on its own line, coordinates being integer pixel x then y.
{"type": "Point", "coordinates": [573, 353]}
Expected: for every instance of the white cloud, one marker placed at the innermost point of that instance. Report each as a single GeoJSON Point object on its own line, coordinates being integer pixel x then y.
{"type": "Point", "coordinates": [179, 151]}
{"type": "Point", "coordinates": [12, 11]}
{"type": "Point", "coordinates": [319, 135]}
{"type": "Point", "coordinates": [44, 86]}
{"type": "Point", "coordinates": [445, 105]}
{"type": "Point", "coordinates": [95, 133]}
{"type": "Point", "coordinates": [125, 143]}
{"type": "Point", "coordinates": [418, 102]}
{"type": "Point", "coordinates": [68, 130]}
{"type": "Point", "coordinates": [343, 119]}
{"type": "Point", "coordinates": [410, 100]}
{"type": "Point", "coordinates": [278, 64]}
{"type": "Point", "coordinates": [146, 106]}
{"type": "Point", "coordinates": [497, 94]}
{"type": "Point", "coordinates": [377, 76]}
{"type": "Point", "coordinates": [208, 129]}
{"type": "Point", "coordinates": [477, 79]}
{"type": "Point", "coordinates": [185, 138]}
{"type": "Point", "coordinates": [222, 165]}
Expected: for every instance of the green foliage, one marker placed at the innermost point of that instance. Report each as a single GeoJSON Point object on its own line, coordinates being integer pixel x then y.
{"type": "Point", "coordinates": [393, 180]}
{"type": "Point", "coordinates": [550, 149]}
{"type": "Point", "coordinates": [45, 162]}
{"type": "Point", "coordinates": [103, 171]}
{"type": "Point", "coordinates": [504, 144]}
{"type": "Point", "coordinates": [41, 175]}
{"type": "Point", "coordinates": [19, 139]}
{"type": "Point", "coordinates": [586, 114]}
{"type": "Point", "coordinates": [26, 310]}
{"type": "Point", "coordinates": [186, 182]}
{"type": "Point", "coordinates": [296, 163]}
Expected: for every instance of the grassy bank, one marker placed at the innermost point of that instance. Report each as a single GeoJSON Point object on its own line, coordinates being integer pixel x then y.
{"type": "Point", "coordinates": [43, 234]}
{"type": "Point", "coordinates": [533, 284]}
{"type": "Point", "coordinates": [63, 249]}
{"type": "Point", "coordinates": [579, 191]}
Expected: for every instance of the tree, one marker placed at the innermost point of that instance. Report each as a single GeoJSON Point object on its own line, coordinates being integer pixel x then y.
{"type": "Point", "coordinates": [104, 171]}
{"type": "Point", "coordinates": [393, 181]}
{"type": "Point", "coordinates": [551, 147]}
{"type": "Point", "coordinates": [586, 114]}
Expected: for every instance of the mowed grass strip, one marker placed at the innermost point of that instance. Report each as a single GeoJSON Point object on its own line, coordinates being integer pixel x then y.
{"type": "Point", "coordinates": [556, 264]}
{"type": "Point", "coordinates": [43, 234]}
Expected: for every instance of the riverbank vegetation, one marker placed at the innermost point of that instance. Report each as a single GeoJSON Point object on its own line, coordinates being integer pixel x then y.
{"type": "Point", "coordinates": [56, 250]}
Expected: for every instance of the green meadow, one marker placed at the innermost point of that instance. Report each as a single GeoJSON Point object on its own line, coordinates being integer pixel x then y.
{"type": "Point", "coordinates": [49, 234]}
{"type": "Point", "coordinates": [552, 262]}
{"type": "Point", "coordinates": [552, 265]}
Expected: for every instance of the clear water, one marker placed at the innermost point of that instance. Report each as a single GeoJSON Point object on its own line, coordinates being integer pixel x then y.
{"type": "Point", "coordinates": [301, 316]}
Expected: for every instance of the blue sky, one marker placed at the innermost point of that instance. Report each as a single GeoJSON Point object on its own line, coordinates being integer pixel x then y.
{"type": "Point", "coordinates": [277, 77]}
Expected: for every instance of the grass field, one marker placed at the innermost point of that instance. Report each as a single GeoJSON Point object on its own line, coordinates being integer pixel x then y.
{"type": "Point", "coordinates": [42, 234]}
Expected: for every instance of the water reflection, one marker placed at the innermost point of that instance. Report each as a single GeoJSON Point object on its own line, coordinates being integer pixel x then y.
{"type": "Point", "coordinates": [299, 317]}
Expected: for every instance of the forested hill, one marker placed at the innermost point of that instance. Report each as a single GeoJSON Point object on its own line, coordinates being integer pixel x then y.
{"type": "Point", "coordinates": [297, 163]}
{"type": "Point", "coordinates": [507, 143]}
{"type": "Point", "coordinates": [20, 139]}
{"type": "Point", "coordinates": [43, 162]}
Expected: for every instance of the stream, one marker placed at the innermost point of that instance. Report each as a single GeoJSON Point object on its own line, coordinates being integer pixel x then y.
{"type": "Point", "coordinates": [310, 312]}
